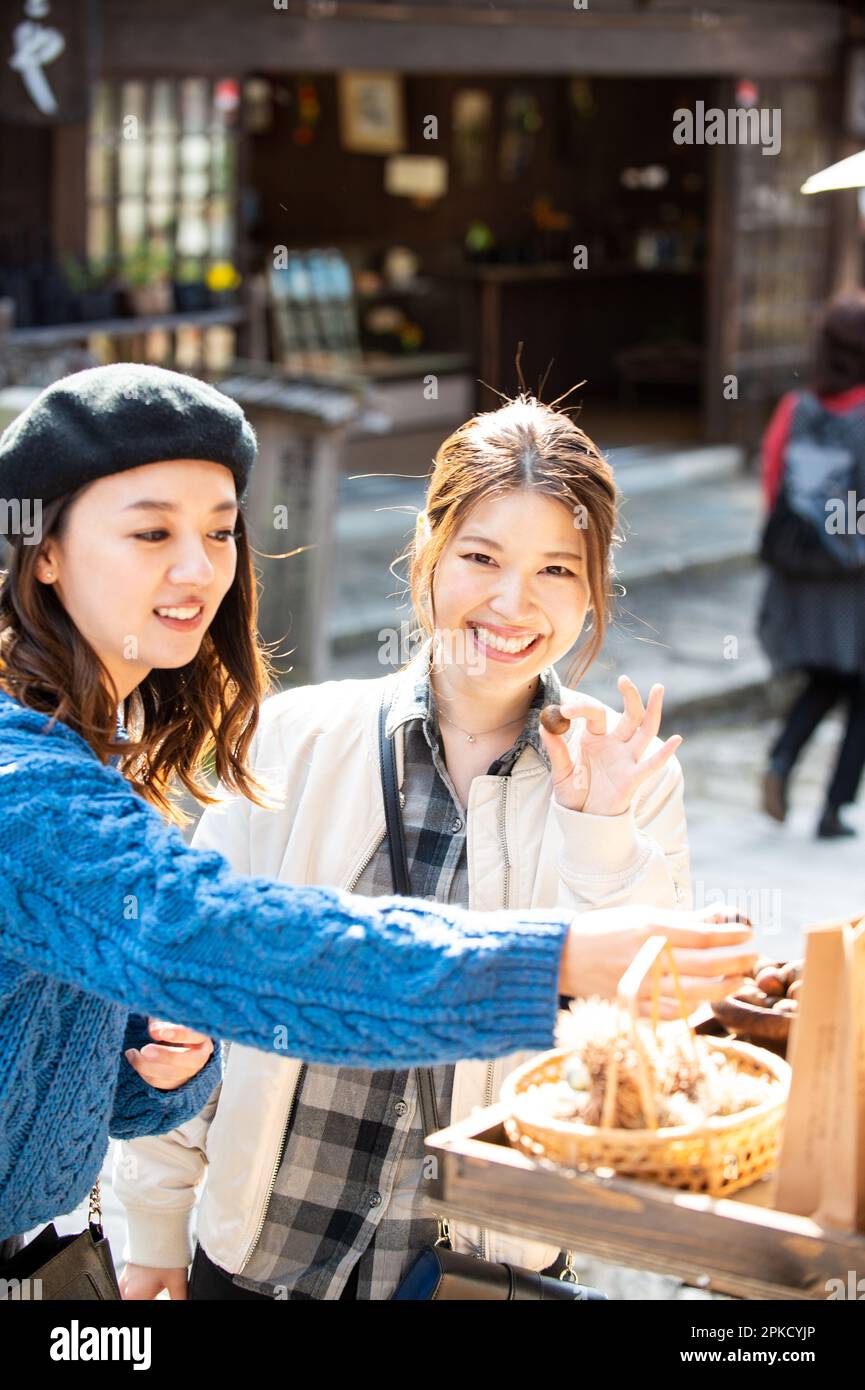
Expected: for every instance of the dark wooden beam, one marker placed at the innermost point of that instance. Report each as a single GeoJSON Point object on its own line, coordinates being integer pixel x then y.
{"type": "Point", "coordinates": [68, 191]}
{"type": "Point", "coordinates": [229, 36]}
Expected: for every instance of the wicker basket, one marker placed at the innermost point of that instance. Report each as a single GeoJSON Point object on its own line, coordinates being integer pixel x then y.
{"type": "Point", "coordinates": [718, 1157]}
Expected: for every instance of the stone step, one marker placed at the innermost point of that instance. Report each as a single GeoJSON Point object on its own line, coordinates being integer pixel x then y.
{"type": "Point", "coordinates": [652, 468]}
{"type": "Point", "coordinates": [386, 505]}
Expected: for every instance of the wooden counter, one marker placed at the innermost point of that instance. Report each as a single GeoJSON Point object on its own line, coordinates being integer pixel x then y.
{"type": "Point", "coordinates": [739, 1246]}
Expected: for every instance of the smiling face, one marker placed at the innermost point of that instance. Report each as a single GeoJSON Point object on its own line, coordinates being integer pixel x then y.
{"type": "Point", "coordinates": [510, 589]}
{"type": "Point", "coordinates": [143, 562]}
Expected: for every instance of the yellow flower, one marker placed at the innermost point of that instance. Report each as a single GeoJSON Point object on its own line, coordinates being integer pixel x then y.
{"type": "Point", "coordinates": [222, 276]}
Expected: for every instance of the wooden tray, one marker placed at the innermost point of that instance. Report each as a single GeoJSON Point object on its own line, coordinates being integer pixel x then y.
{"type": "Point", "coordinates": [739, 1245]}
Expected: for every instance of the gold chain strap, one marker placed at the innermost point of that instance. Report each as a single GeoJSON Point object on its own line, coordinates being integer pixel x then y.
{"type": "Point", "coordinates": [444, 1231]}
{"type": "Point", "coordinates": [569, 1274]}
{"type": "Point", "coordinates": [94, 1214]}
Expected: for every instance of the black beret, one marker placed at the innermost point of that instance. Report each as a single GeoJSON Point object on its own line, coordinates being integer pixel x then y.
{"type": "Point", "coordinates": [107, 419]}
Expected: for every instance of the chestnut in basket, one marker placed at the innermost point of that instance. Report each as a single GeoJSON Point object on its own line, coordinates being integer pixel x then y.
{"type": "Point", "coordinates": [761, 1011]}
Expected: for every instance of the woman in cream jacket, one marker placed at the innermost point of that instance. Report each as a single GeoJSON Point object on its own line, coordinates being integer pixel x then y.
{"type": "Point", "coordinates": [315, 1175]}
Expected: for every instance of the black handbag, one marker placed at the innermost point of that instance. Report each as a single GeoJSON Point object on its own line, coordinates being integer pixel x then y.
{"type": "Point", "coordinates": [791, 546]}
{"type": "Point", "coordinates": [77, 1268]}
{"type": "Point", "coordinates": [439, 1271]}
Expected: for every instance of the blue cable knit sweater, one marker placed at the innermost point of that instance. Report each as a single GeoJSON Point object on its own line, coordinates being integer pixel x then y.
{"type": "Point", "coordinates": [107, 916]}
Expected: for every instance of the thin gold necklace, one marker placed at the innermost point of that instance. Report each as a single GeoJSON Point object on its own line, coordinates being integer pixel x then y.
{"type": "Point", "coordinates": [472, 738]}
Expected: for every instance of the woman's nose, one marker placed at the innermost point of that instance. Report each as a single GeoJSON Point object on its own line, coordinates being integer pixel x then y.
{"type": "Point", "coordinates": [512, 601]}
{"type": "Point", "coordinates": [193, 567]}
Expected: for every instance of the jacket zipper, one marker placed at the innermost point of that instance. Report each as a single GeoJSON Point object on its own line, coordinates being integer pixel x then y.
{"type": "Point", "coordinates": [272, 1184]}
{"type": "Point", "coordinates": [356, 877]}
{"type": "Point", "coordinates": [503, 838]}
{"type": "Point", "coordinates": [355, 880]}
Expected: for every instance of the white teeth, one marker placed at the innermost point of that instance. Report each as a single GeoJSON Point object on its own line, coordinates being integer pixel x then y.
{"type": "Point", "coordinates": [505, 644]}
{"type": "Point", "coordinates": [183, 613]}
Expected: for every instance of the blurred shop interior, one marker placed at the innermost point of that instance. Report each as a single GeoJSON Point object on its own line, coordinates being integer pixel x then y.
{"type": "Point", "coordinates": [356, 255]}
{"type": "Point", "coordinates": [387, 227]}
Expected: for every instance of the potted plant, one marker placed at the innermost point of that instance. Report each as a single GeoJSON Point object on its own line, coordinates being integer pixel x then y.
{"type": "Point", "coordinates": [92, 295]}
{"type": "Point", "coordinates": [146, 276]}
{"type": "Point", "coordinates": [191, 292]}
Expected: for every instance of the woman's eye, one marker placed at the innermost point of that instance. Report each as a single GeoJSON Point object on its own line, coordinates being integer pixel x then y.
{"type": "Point", "coordinates": [476, 555]}
{"type": "Point", "coordinates": [560, 570]}
{"type": "Point", "coordinates": [222, 536]}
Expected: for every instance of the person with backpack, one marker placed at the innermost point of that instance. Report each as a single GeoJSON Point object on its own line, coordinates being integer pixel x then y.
{"type": "Point", "coordinates": [812, 615]}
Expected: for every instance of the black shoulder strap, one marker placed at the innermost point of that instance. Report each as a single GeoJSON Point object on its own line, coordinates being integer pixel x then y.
{"type": "Point", "coordinates": [402, 882]}
{"type": "Point", "coordinates": [393, 819]}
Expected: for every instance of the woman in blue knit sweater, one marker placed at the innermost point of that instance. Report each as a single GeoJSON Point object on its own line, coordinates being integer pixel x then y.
{"type": "Point", "coordinates": [140, 593]}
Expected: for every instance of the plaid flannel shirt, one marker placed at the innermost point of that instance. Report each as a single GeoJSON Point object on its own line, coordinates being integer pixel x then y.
{"type": "Point", "coordinates": [349, 1183]}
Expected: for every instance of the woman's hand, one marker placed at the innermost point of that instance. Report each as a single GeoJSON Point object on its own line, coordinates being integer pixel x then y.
{"type": "Point", "coordinates": [713, 954]}
{"type": "Point", "coordinates": [607, 770]}
{"type": "Point", "coordinates": [140, 1282]}
{"type": "Point", "coordinates": [168, 1066]}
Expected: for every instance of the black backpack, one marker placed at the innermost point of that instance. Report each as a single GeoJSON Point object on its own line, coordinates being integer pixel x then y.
{"type": "Point", "coordinates": [824, 462]}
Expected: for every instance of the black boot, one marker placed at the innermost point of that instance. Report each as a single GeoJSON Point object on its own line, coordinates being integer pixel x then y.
{"type": "Point", "coordinates": [831, 826]}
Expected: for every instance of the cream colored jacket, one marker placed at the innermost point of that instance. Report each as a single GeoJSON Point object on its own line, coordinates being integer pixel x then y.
{"type": "Point", "coordinates": [318, 746]}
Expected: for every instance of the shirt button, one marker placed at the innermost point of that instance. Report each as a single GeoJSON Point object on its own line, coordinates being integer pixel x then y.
{"type": "Point", "coordinates": [400, 1107]}
{"type": "Point", "coordinates": [457, 826]}
{"type": "Point", "coordinates": [375, 1199]}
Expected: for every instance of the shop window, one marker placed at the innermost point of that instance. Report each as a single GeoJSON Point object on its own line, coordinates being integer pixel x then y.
{"type": "Point", "coordinates": [162, 174]}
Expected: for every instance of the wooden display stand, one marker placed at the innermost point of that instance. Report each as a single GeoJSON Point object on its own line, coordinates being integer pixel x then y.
{"type": "Point", "coordinates": [739, 1246]}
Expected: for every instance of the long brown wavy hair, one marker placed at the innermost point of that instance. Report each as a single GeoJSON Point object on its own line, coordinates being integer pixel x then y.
{"type": "Point", "coordinates": [179, 721]}
{"type": "Point", "coordinates": [524, 443]}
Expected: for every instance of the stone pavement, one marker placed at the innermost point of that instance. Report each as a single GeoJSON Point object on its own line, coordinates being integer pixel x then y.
{"type": "Point", "coordinates": [789, 877]}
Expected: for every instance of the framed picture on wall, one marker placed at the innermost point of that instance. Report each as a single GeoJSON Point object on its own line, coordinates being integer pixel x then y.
{"type": "Point", "coordinates": [371, 112]}
{"type": "Point", "coordinates": [472, 118]}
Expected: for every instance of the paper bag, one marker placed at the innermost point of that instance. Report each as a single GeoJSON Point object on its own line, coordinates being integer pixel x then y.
{"type": "Point", "coordinates": [821, 1171]}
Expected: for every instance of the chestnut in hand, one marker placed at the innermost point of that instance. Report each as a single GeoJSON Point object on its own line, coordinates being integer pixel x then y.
{"type": "Point", "coordinates": [553, 720]}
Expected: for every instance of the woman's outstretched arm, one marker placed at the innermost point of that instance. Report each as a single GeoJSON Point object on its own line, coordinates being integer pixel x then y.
{"type": "Point", "coordinates": [96, 890]}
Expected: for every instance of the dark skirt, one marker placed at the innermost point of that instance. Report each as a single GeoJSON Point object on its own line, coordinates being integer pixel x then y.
{"type": "Point", "coordinates": [208, 1281]}
{"type": "Point", "coordinates": [808, 623]}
